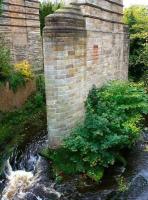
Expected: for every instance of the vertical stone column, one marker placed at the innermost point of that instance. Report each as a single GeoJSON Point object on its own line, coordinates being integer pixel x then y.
{"type": "Point", "coordinates": [85, 44]}
{"type": "Point", "coordinates": [64, 61]}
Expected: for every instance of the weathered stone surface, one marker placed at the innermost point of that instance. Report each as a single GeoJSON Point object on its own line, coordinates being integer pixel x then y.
{"type": "Point", "coordinates": [84, 44]}
{"type": "Point", "coordinates": [20, 27]}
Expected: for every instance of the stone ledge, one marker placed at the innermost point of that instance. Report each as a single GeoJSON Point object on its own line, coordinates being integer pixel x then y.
{"type": "Point", "coordinates": [99, 7]}
{"type": "Point", "coordinates": [13, 4]}
{"type": "Point", "coordinates": [65, 20]}
{"type": "Point", "coordinates": [106, 20]}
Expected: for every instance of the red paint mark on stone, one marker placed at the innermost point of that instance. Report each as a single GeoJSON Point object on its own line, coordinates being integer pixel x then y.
{"type": "Point", "coordinates": [95, 54]}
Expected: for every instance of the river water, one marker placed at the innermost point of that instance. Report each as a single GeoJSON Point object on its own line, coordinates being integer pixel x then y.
{"type": "Point", "coordinates": [27, 176]}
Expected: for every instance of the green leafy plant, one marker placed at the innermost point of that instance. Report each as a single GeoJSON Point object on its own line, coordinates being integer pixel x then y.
{"type": "Point", "coordinates": [1, 1]}
{"type": "Point", "coordinates": [145, 79]}
{"type": "Point", "coordinates": [16, 80]}
{"type": "Point", "coordinates": [136, 18]}
{"type": "Point", "coordinates": [112, 122]}
{"type": "Point", "coordinates": [5, 62]}
{"type": "Point", "coordinates": [40, 95]}
{"type": "Point", "coordinates": [47, 8]}
{"type": "Point", "coordinates": [122, 184]}
{"type": "Point", "coordinates": [16, 75]}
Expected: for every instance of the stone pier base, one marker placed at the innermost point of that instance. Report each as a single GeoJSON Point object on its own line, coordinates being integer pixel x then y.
{"type": "Point", "coordinates": [85, 44]}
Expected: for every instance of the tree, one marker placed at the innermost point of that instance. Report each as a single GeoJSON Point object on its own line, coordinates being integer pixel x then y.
{"type": "Point", "coordinates": [47, 8]}
{"type": "Point", "coordinates": [136, 17]}
{"type": "Point", "coordinates": [1, 1]}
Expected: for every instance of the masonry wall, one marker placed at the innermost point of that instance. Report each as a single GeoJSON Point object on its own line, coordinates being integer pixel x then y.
{"type": "Point", "coordinates": [20, 27]}
{"type": "Point", "coordinates": [11, 100]}
{"type": "Point", "coordinates": [85, 43]}
{"type": "Point", "coordinates": [107, 42]}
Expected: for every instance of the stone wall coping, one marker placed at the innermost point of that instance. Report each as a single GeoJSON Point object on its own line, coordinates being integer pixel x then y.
{"type": "Point", "coordinates": [99, 7]}
{"type": "Point", "coordinates": [112, 2]}
{"type": "Point", "coordinates": [20, 12]}
{"type": "Point", "coordinates": [106, 20]}
{"type": "Point", "coordinates": [24, 18]}
{"type": "Point", "coordinates": [19, 5]}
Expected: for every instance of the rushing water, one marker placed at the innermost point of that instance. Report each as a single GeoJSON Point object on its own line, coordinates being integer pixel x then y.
{"type": "Point", "coordinates": [17, 183]}
{"type": "Point", "coordinates": [22, 185]}
{"type": "Point", "coordinates": [24, 172]}
{"type": "Point", "coordinates": [27, 177]}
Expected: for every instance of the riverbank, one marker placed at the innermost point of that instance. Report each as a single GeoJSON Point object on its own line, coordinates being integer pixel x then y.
{"type": "Point", "coordinates": [28, 120]}
{"type": "Point", "coordinates": [42, 186]}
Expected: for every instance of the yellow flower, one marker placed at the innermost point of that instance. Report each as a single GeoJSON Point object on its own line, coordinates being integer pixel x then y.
{"type": "Point", "coordinates": [24, 68]}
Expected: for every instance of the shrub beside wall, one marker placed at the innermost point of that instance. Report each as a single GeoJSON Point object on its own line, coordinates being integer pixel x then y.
{"type": "Point", "coordinates": [113, 121]}
{"type": "Point", "coordinates": [1, 1]}
{"type": "Point", "coordinates": [16, 81]}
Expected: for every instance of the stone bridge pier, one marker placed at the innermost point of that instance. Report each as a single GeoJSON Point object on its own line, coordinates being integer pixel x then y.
{"type": "Point", "coordinates": [85, 43]}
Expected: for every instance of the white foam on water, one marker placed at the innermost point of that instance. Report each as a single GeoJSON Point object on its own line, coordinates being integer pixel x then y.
{"type": "Point", "coordinates": [17, 182]}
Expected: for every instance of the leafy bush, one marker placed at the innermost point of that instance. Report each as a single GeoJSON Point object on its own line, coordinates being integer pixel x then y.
{"type": "Point", "coordinates": [24, 68]}
{"type": "Point", "coordinates": [1, 1]}
{"type": "Point", "coordinates": [47, 8]}
{"type": "Point", "coordinates": [5, 62]}
{"type": "Point", "coordinates": [20, 73]}
{"type": "Point", "coordinates": [122, 184]}
{"type": "Point", "coordinates": [145, 79]}
{"type": "Point", "coordinates": [16, 80]}
{"type": "Point", "coordinates": [16, 75]}
{"type": "Point", "coordinates": [136, 18]}
{"type": "Point", "coordinates": [112, 123]}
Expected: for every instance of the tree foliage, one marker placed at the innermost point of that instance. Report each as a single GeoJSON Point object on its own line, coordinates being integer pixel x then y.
{"type": "Point", "coordinates": [137, 19]}
{"type": "Point", "coordinates": [112, 123]}
{"type": "Point", "coordinates": [5, 61]}
{"type": "Point", "coordinates": [1, 1]}
{"type": "Point", "coordinates": [47, 8]}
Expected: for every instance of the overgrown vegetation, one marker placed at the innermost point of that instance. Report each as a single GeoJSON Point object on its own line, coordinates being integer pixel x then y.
{"type": "Point", "coordinates": [112, 122]}
{"type": "Point", "coordinates": [47, 8]}
{"type": "Point", "coordinates": [1, 1]}
{"type": "Point", "coordinates": [5, 61]}
{"type": "Point", "coordinates": [13, 125]}
{"type": "Point", "coordinates": [122, 184]}
{"type": "Point", "coordinates": [136, 17]}
{"type": "Point", "coordinates": [16, 75]}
